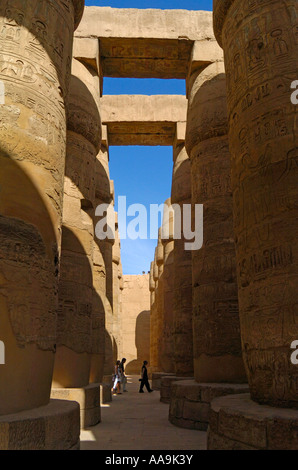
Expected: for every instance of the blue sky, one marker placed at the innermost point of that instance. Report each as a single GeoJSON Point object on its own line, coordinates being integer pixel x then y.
{"type": "Point", "coordinates": [143, 174]}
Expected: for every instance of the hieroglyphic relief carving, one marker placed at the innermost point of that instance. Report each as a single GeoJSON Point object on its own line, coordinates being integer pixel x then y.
{"type": "Point", "coordinates": [264, 182]}
{"type": "Point", "coordinates": [215, 300]}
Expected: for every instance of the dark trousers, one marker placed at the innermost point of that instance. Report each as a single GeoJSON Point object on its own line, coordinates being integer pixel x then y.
{"type": "Point", "coordinates": [146, 383]}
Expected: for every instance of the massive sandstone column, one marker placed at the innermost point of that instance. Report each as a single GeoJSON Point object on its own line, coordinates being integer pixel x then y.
{"type": "Point", "coordinates": [182, 304]}
{"type": "Point", "coordinates": [167, 340]}
{"type": "Point", "coordinates": [182, 331]}
{"type": "Point", "coordinates": [116, 294]}
{"type": "Point", "coordinates": [154, 365]}
{"type": "Point", "coordinates": [160, 299]}
{"type": "Point", "coordinates": [103, 195]}
{"type": "Point", "coordinates": [217, 344]}
{"type": "Point", "coordinates": [260, 45]}
{"type": "Point", "coordinates": [218, 365]}
{"type": "Point", "coordinates": [73, 356]}
{"type": "Point", "coordinates": [98, 316]}
{"type": "Point", "coordinates": [36, 47]}
{"type": "Point", "coordinates": [152, 317]}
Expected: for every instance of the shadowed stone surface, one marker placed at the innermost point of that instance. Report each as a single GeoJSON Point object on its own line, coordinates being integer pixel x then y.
{"type": "Point", "coordinates": [238, 423]}
{"type": "Point", "coordinates": [190, 401]}
{"type": "Point", "coordinates": [55, 426]}
{"type": "Point", "coordinates": [182, 295]}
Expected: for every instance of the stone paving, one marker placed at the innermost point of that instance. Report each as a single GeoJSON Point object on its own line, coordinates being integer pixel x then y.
{"type": "Point", "coordinates": [139, 422]}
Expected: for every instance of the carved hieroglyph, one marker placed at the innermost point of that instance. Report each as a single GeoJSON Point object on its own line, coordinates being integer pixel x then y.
{"type": "Point", "coordinates": [217, 344]}
{"type": "Point", "coordinates": [74, 329]}
{"type": "Point", "coordinates": [260, 42]}
{"type": "Point", "coordinates": [35, 55]}
{"type": "Point", "coordinates": [183, 333]}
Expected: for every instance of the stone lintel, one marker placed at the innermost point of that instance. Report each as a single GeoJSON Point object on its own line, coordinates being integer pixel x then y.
{"type": "Point", "coordinates": [107, 22]}
{"type": "Point", "coordinates": [147, 43]}
{"type": "Point", "coordinates": [142, 119]}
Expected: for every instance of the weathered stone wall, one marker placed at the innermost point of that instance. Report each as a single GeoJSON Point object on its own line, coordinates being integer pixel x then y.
{"type": "Point", "coordinates": [135, 322]}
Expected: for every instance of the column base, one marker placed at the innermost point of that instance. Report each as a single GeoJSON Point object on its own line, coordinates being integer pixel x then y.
{"type": "Point", "coordinates": [238, 423]}
{"type": "Point", "coordinates": [156, 379]}
{"type": "Point", "coordinates": [190, 402]}
{"type": "Point", "coordinates": [105, 393]}
{"type": "Point", "coordinates": [88, 398]}
{"type": "Point", "coordinates": [166, 383]}
{"type": "Point", "coordinates": [55, 426]}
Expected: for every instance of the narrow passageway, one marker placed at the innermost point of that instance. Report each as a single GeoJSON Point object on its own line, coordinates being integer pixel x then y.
{"type": "Point", "coordinates": [139, 422]}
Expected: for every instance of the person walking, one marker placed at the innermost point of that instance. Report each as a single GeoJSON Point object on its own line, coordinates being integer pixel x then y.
{"type": "Point", "coordinates": [144, 379]}
{"type": "Point", "coordinates": [123, 376]}
{"type": "Point", "coordinates": [117, 379]}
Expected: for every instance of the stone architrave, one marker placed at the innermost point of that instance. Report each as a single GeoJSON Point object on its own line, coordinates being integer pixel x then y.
{"type": "Point", "coordinates": [36, 47]}
{"type": "Point", "coordinates": [260, 43]}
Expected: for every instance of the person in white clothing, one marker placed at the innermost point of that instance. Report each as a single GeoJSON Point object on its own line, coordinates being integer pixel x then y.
{"type": "Point", "coordinates": [117, 379]}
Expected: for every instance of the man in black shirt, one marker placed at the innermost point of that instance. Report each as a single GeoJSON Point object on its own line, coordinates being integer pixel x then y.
{"type": "Point", "coordinates": [144, 379]}
{"type": "Point", "coordinates": [123, 376]}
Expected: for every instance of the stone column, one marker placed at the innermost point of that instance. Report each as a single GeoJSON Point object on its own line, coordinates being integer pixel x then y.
{"type": "Point", "coordinates": [167, 360]}
{"type": "Point", "coordinates": [76, 290]}
{"type": "Point", "coordinates": [183, 335]}
{"type": "Point", "coordinates": [160, 299]}
{"type": "Point", "coordinates": [102, 359]}
{"type": "Point", "coordinates": [72, 364]}
{"type": "Point", "coordinates": [182, 286]}
{"type": "Point", "coordinates": [260, 49]}
{"type": "Point", "coordinates": [98, 316]}
{"type": "Point", "coordinates": [154, 366]}
{"type": "Point", "coordinates": [217, 344]}
{"type": "Point", "coordinates": [218, 365]}
{"type": "Point", "coordinates": [263, 146]}
{"type": "Point", "coordinates": [36, 47]}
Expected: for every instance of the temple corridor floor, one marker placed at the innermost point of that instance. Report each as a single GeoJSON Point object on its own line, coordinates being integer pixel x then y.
{"type": "Point", "coordinates": [135, 421]}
